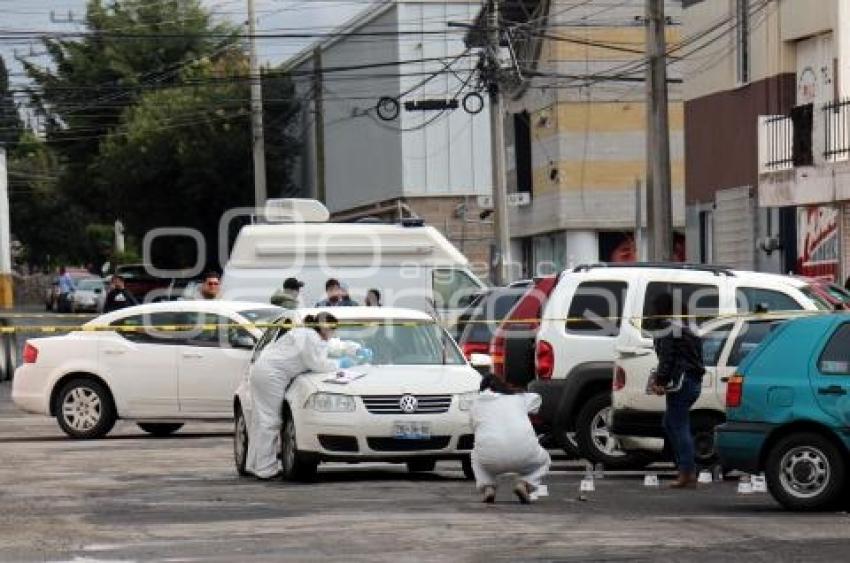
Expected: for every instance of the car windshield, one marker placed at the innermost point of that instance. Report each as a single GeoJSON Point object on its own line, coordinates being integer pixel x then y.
{"type": "Point", "coordinates": [402, 342]}
{"type": "Point", "coordinates": [89, 285]}
{"type": "Point", "coordinates": [260, 316]}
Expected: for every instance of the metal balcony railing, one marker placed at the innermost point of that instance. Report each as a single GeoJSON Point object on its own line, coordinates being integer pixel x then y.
{"type": "Point", "coordinates": [776, 140]}
{"type": "Point", "coordinates": [836, 130]}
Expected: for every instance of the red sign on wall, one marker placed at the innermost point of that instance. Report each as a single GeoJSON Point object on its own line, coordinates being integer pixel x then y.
{"type": "Point", "coordinates": [817, 242]}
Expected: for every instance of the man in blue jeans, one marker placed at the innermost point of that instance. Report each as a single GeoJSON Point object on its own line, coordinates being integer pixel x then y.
{"type": "Point", "coordinates": [679, 378]}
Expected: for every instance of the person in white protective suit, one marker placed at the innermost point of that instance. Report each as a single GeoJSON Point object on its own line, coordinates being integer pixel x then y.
{"type": "Point", "coordinates": [301, 350]}
{"type": "Point", "coordinates": [505, 441]}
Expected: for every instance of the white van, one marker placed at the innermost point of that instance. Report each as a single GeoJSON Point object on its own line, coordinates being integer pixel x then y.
{"type": "Point", "coordinates": [412, 265]}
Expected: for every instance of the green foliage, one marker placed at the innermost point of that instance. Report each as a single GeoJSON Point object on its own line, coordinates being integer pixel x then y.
{"type": "Point", "coordinates": [10, 121]}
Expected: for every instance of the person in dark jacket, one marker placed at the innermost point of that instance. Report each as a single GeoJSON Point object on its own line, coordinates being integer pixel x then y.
{"type": "Point", "coordinates": [118, 297]}
{"type": "Point", "coordinates": [679, 378]}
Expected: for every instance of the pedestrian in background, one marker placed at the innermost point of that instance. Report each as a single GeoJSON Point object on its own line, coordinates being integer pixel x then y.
{"type": "Point", "coordinates": [210, 285]}
{"type": "Point", "coordinates": [505, 441]}
{"type": "Point", "coordinates": [335, 295]}
{"type": "Point", "coordinates": [66, 288]}
{"type": "Point", "coordinates": [287, 297]}
{"type": "Point", "coordinates": [679, 379]}
{"type": "Point", "coordinates": [117, 297]}
{"type": "Point", "coordinates": [373, 298]}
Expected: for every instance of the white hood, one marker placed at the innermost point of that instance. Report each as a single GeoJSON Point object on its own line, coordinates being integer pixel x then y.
{"type": "Point", "coordinates": [398, 380]}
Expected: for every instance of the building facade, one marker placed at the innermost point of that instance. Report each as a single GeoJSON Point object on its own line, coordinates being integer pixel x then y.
{"type": "Point", "coordinates": [434, 164]}
{"type": "Point", "coordinates": [765, 133]}
{"type": "Point", "coordinates": [576, 137]}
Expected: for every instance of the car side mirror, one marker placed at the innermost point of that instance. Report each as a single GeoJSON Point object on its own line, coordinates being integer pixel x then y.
{"type": "Point", "coordinates": [481, 361]}
{"type": "Point", "coordinates": [242, 341]}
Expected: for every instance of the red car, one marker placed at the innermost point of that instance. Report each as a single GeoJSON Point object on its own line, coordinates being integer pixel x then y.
{"type": "Point", "coordinates": [829, 292]}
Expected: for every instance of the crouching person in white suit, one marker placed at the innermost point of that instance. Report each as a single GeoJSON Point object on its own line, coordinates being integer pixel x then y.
{"type": "Point", "coordinates": [301, 350]}
{"type": "Point", "coordinates": [505, 441]}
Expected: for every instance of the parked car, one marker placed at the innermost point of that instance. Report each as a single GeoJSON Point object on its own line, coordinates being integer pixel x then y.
{"type": "Point", "coordinates": [636, 415]}
{"type": "Point", "coordinates": [89, 296]}
{"type": "Point", "coordinates": [831, 293]}
{"type": "Point", "coordinates": [411, 406]}
{"type": "Point", "coordinates": [489, 311]}
{"type": "Point", "coordinates": [457, 327]}
{"type": "Point", "coordinates": [51, 294]}
{"type": "Point", "coordinates": [594, 313]}
{"type": "Point", "coordinates": [788, 413]}
{"type": "Point", "coordinates": [139, 281]}
{"type": "Point", "coordinates": [130, 369]}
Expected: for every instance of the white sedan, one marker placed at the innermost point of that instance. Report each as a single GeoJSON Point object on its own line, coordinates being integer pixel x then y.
{"type": "Point", "coordinates": [409, 404]}
{"type": "Point", "coordinates": [159, 364]}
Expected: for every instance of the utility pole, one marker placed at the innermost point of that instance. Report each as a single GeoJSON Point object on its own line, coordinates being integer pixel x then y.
{"type": "Point", "coordinates": [659, 220]}
{"type": "Point", "coordinates": [638, 221]}
{"type": "Point", "coordinates": [257, 115]}
{"type": "Point", "coordinates": [318, 93]}
{"type": "Point", "coordinates": [501, 223]}
{"type": "Point", "coordinates": [6, 294]}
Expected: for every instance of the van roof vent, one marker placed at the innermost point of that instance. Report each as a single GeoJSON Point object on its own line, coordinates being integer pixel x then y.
{"type": "Point", "coordinates": [412, 222]}
{"type": "Point", "coordinates": [295, 210]}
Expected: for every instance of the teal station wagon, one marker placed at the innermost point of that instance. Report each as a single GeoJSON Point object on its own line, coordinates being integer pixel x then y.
{"type": "Point", "coordinates": [788, 413]}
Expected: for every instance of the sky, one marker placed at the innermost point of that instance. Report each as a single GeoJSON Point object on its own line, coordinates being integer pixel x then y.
{"type": "Point", "coordinates": [54, 15]}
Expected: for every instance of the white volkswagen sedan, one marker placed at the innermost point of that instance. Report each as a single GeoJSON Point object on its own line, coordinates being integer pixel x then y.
{"type": "Point", "coordinates": [159, 364]}
{"type": "Point", "coordinates": [409, 404]}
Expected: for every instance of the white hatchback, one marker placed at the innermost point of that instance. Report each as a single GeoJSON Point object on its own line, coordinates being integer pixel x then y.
{"type": "Point", "coordinates": [411, 403]}
{"type": "Point", "coordinates": [159, 364]}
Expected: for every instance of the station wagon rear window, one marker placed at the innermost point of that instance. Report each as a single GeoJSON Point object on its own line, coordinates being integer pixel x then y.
{"type": "Point", "coordinates": [835, 359]}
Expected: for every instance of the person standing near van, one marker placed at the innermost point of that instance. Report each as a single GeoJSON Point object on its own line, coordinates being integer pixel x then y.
{"type": "Point", "coordinates": [336, 295]}
{"type": "Point", "coordinates": [678, 378]}
{"type": "Point", "coordinates": [287, 297]}
{"type": "Point", "coordinates": [118, 297]}
{"type": "Point", "coordinates": [66, 288]}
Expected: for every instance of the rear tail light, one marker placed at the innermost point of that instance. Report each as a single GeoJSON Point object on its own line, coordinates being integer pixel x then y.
{"type": "Point", "coordinates": [619, 378]}
{"type": "Point", "coordinates": [734, 391]}
{"type": "Point", "coordinates": [30, 353]}
{"type": "Point", "coordinates": [470, 348]}
{"type": "Point", "coordinates": [544, 360]}
{"type": "Point", "coordinates": [497, 353]}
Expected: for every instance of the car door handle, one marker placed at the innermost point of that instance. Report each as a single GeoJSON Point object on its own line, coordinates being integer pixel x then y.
{"type": "Point", "coordinates": [113, 352]}
{"type": "Point", "coordinates": [832, 390]}
{"type": "Point", "coordinates": [634, 350]}
{"type": "Point", "coordinates": [192, 355]}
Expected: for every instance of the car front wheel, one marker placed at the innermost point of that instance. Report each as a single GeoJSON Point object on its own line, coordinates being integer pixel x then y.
{"type": "Point", "coordinates": [594, 439]}
{"type": "Point", "coordinates": [297, 466]}
{"type": "Point", "coordinates": [85, 409]}
{"type": "Point", "coordinates": [805, 472]}
{"type": "Point", "coordinates": [240, 442]}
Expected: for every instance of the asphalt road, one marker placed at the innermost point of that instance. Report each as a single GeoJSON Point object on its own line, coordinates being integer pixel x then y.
{"type": "Point", "coordinates": [131, 497]}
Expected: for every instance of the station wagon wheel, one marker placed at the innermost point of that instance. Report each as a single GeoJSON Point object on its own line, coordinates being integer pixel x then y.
{"type": "Point", "coordinates": [594, 438]}
{"type": "Point", "coordinates": [805, 472]}
{"type": "Point", "coordinates": [240, 442]}
{"type": "Point", "coordinates": [297, 466]}
{"type": "Point", "coordinates": [84, 409]}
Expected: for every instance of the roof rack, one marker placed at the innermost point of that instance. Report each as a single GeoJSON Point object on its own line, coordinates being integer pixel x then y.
{"type": "Point", "coordinates": [716, 270]}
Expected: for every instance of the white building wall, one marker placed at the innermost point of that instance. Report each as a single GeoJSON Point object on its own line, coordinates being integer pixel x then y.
{"type": "Point", "coordinates": [362, 153]}
{"type": "Point", "coordinates": [451, 154]}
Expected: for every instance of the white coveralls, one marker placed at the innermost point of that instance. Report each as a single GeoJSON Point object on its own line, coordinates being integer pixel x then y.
{"type": "Point", "coordinates": [505, 441]}
{"type": "Point", "coordinates": [298, 351]}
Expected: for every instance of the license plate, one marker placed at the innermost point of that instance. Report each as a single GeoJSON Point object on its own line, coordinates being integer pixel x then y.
{"type": "Point", "coordinates": [411, 430]}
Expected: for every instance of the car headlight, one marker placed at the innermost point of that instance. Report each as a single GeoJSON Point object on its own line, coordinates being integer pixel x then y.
{"type": "Point", "coordinates": [464, 401]}
{"type": "Point", "coordinates": [330, 402]}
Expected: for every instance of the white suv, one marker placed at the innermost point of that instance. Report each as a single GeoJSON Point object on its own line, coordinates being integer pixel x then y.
{"type": "Point", "coordinates": [636, 417]}
{"type": "Point", "coordinates": [593, 318]}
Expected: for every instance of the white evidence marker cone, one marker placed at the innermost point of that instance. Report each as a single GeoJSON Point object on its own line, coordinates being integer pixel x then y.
{"type": "Point", "coordinates": [745, 486]}
{"type": "Point", "coordinates": [758, 483]}
{"type": "Point", "coordinates": [704, 477]}
{"type": "Point", "coordinates": [587, 486]}
{"type": "Point", "coordinates": [650, 480]}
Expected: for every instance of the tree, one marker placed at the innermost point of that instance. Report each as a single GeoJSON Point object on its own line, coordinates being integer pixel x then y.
{"type": "Point", "coordinates": [182, 155]}
{"type": "Point", "coordinates": [131, 46]}
{"type": "Point", "coordinates": [10, 120]}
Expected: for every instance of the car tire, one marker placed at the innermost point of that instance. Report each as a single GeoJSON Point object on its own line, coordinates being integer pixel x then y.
{"type": "Point", "coordinates": [297, 466]}
{"type": "Point", "coordinates": [84, 409]}
{"type": "Point", "coordinates": [806, 472]}
{"type": "Point", "coordinates": [240, 442]}
{"type": "Point", "coordinates": [594, 440]}
{"type": "Point", "coordinates": [421, 465]}
{"type": "Point", "coordinates": [702, 430]}
{"type": "Point", "coordinates": [466, 467]}
{"type": "Point", "coordinates": [160, 429]}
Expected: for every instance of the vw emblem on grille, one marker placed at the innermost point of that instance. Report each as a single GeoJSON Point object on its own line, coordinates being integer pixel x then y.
{"type": "Point", "coordinates": [408, 404]}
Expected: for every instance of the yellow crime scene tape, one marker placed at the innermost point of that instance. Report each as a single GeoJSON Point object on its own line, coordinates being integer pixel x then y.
{"type": "Point", "coordinates": [635, 321]}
